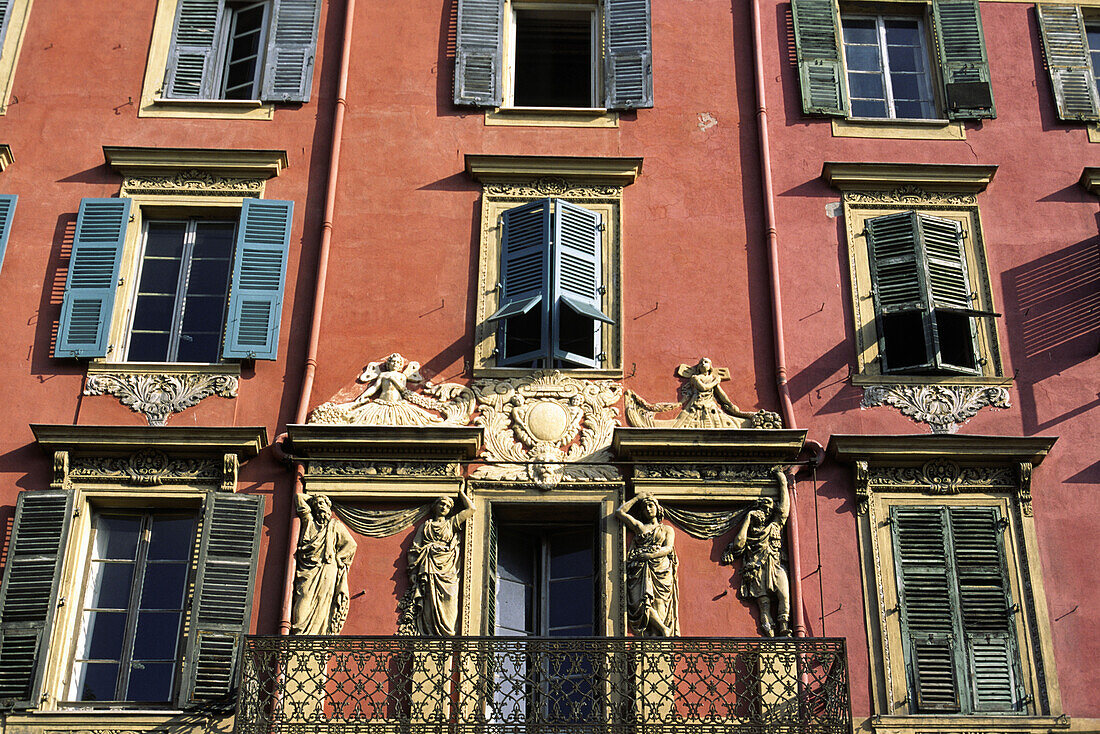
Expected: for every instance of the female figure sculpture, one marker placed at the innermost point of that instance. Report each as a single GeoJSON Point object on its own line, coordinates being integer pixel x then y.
{"type": "Point", "coordinates": [652, 607]}
{"type": "Point", "coordinates": [432, 603]}
{"type": "Point", "coordinates": [707, 405]}
{"type": "Point", "coordinates": [324, 554]}
{"type": "Point", "coordinates": [385, 401]}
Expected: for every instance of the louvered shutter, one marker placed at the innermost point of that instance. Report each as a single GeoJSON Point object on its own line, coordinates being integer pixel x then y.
{"type": "Point", "coordinates": [5, 16]}
{"type": "Point", "coordinates": [92, 279]}
{"type": "Point", "coordinates": [479, 53]}
{"type": "Point", "coordinates": [259, 273]}
{"type": "Point", "coordinates": [28, 595]}
{"type": "Point", "coordinates": [222, 603]}
{"type": "Point", "coordinates": [964, 68]}
{"type": "Point", "coordinates": [1065, 45]}
{"type": "Point", "coordinates": [817, 45]}
{"type": "Point", "coordinates": [291, 47]}
{"type": "Point", "coordinates": [525, 274]}
{"type": "Point", "coordinates": [627, 55]}
{"type": "Point", "coordinates": [7, 212]}
{"type": "Point", "coordinates": [193, 57]}
{"type": "Point", "coordinates": [577, 274]}
{"type": "Point", "coordinates": [491, 582]}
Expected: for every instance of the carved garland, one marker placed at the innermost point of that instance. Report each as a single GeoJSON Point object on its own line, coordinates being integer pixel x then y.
{"type": "Point", "coordinates": [146, 468]}
{"type": "Point", "coordinates": [159, 395]}
{"type": "Point", "coordinates": [551, 186]}
{"type": "Point", "coordinates": [194, 182]}
{"type": "Point", "coordinates": [381, 469]}
{"type": "Point", "coordinates": [940, 477]}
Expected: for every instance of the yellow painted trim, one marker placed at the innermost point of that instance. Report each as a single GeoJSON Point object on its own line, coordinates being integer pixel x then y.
{"type": "Point", "coordinates": [969, 724]}
{"type": "Point", "coordinates": [13, 44]}
{"type": "Point", "coordinates": [576, 169]}
{"type": "Point", "coordinates": [177, 722]}
{"type": "Point", "coordinates": [153, 105]}
{"type": "Point", "coordinates": [551, 117]}
{"type": "Point", "coordinates": [245, 441]}
{"type": "Point", "coordinates": [938, 177]}
{"type": "Point", "coordinates": [6, 158]}
{"type": "Point", "coordinates": [899, 129]}
{"type": "Point", "coordinates": [895, 450]}
{"type": "Point", "coordinates": [131, 160]}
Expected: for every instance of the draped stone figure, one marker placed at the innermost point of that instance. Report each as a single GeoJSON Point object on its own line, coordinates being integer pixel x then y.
{"type": "Point", "coordinates": [324, 554]}
{"type": "Point", "coordinates": [652, 595]}
{"type": "Point", "coordinates": [430, 608]}
{"type": "Point", "coordinates": [759, 544]}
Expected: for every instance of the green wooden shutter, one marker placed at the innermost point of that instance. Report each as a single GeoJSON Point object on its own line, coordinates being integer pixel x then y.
{"type": "Point", "coordinates": [291, 48]}
{"type": "Point", "coordinates": [7, 212]}
{"type": "Point", "coordinates": [28, 594]}
{"type": "Point", "coordinates": [1065, 45]}
{"type": "Point", "coordinates": [964, 67]}
{"type": "Point", "coordinates": [525, 273]}
{"type": "Point", "coordinates": [259, 274]}
{"type": "Point", "coordinates": [817, 45]}
{"type": "Point", "coordinates": [577, 278]}
{"type": "Point", "coordinates": [194, 56]}
{"type": "Point", "coordinates": [222, 603]}
{"type": "Point", "coordinates": [93, 278]}
{"type": "Point", "coordinates": [479, 53]}
{"type": "Point", "coordinates": [899, 289]}
{"type": "Point", "coordinates": [627, 54]}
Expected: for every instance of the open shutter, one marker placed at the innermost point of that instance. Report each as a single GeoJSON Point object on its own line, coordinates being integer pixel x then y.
{"type": "Point", "coordinates": [192, 67]}
{"type": "Point", "coordinates": [950, 297]}
{"type": "Point", "coordinates": [964, 67]}
{"type": "Point", "coordinates": [93, 278]}
{"type": "Point", "coordinates": [5, 16]}
{"type": "Point", "coordinates": [577, 279]}
{"type": "Point", "coordinates": [1065, 45]}
{"type": "Point", "coordinates": [7, 211]}
{"type": "Point", "coordinates": [900, 293]}
{"type": "Point", "coordinates": [627, 54]}
{"type": "Point", "coordinates": [479, 53]}
{"type": "Point", "coordinates": [524, 279]}
{"type": "Point", "coordinates": [259, 273]}
{"type": "Point", "coordinates": [291, 47]}
{"type": "Point", "coordinates": [222, 603]}
{"type": "Point", "coordinates": [489, 625]}
{"type": "Point", "coordinates": [817, 45]}
{"type": "Point", "coordinates": [28, 594]}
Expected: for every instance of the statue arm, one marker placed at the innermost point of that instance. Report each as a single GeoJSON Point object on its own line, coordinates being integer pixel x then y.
{"type": "Point", "coordinates": [783, 507]}
{"type": "Point", "coordinates": [301, 505]}
{"type": "Point", "coordinates": [623, 514]}
{"type": "Point", "coordinates": [467, 512]}
{"type": "Point", "coordinates": [667, 544]}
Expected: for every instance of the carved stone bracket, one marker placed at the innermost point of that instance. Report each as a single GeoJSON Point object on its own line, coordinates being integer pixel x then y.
{"type": "Point", "coordinates": [159, 395]}
{"type": "Point", "coordinates": [862, 481]}
{"type": "Point", "coordinates": [943, 407]}
{"type": "Point", "coordinates": [1023, 490]}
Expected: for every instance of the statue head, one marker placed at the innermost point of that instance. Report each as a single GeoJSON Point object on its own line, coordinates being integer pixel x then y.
{"type": "Point", "coordinates": [705, 366]}
{"type": "Point", "coordinates": [766, 505]}
{"type": "Point", "coordinates": [443, 506]}
{"type": "Point", "coordinates": [651, 508]}
{"type": "Point", "coordinates": [322, 508]}
{"type": "Point", "coordinates": [395, 362]}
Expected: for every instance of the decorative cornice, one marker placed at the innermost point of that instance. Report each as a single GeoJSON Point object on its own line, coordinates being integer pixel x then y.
{"type": "Point", "coordinates": [688, 445]}
{"type": "Point", "coordinates": [943, 407]}
{"type": "Point", "coordinates": [379, 469]}
{"type": "Point", "coordinates": [899, 450]}
{"type": "Point", "coordinates": [940, 177]}
{"type": "Point", "coordinates": [910, 196]}
{"type": "Point", "coordinates": [581, 170]}
{"type": "Point", "coordinates": [195, 182]}
{"type": "Point", "coordinates": [158, 394]}
{"type": "Point", "coordinates": [143, 161]}
{"type": "Point", "coordinates": [706, 472]}
{"type": "Point", "coordinates": [242, 441]}
{"type": "Point", "coordinates": [438, 444]}
{"type": "Point", "coordinates": [6, 158]}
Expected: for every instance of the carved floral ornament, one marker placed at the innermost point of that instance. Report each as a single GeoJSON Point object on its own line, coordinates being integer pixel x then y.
{"type": "Point", "coordinates": [943, 407]}
{"type": "Point", "coordinates": [194, 182]}
{"type": "Point", "coordinates": [158, 395]}
{"type": "Point", "coordinates": [942, 477]}
{"type": "Point", "coordinates": [145, 468]}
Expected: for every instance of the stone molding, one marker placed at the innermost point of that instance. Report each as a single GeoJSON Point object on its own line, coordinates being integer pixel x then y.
{"type": "Point", "coordinates": [955, 177]}
{"type": "Point", "coordinates": [943, 407]}
{"type": "Point", "coordinates": [585, 170]}
{"type": "Point", "coordinates": [194, 182]}
{"type": "Point", "coordinates": [158, 394]}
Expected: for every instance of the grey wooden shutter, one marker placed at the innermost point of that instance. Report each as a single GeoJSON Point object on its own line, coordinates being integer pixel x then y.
{"type": "Point", "coordinates": [479, 53]}
{"type": "Point", "coordinates": [195, 54]}
{"type": "Point", "coordinates": [964, 67]}
{"type": "Point", "coordinates": [222, 603]}
{"type": "Point", "coordinates": [577, 277]}
{"type": "Point", "coordinates": [291, 48]}
{"type": "Point", "coordinates": [817, 45]}
{"type": "Point", "coordinates": [1065, 45]}
{"type": "Point", "coordinates": [525, 272]}
{"type": "Point", "coordinates": [92, 279]}
{"type": "Point", "coordinates": [259, 274]}
{"type": "Point", "coordinates": [7, 212]}
{"type": "Point", "coordinates": [28, 594]}
{"type": "Point", "coordinates": [627, 54]}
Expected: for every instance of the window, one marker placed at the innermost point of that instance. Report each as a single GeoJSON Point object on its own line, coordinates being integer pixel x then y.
{"type": "Point", "coordinates": [13, 23]}
{"type": "Point", "coordinates": [7, 212]}
{"type": "Point", "coordinates": [554, 55]}
{"type": "Point", "coordinates": [1071, 43]}
{"type": "Point", "coordinates": [878, 66]}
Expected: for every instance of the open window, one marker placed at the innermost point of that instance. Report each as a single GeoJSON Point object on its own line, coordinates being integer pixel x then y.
{"type": "Point", "coordinates": [1071, 44]}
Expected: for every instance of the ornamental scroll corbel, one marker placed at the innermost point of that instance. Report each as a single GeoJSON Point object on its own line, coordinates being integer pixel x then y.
{"type": "Point", "coordinates": [230, 465]}
{"type": "Point", "coordinates": [61, 471]}
{"type": "Point", "coordinates": [1023, 490]}
{"type": "Point", "coordinates": [862, 485]}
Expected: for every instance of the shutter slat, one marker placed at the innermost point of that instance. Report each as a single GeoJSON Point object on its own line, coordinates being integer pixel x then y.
{"type": "Point", "coordinates": [7, 213]}
{"type": "Point", "coordinates": [291, 49]}
{"type": "Point", "coordinates": [525, 271]}
{"type": "Point", "coordinates": [479, 52]}
{"type": "Point", "coordinates": [817, 46]}
{"type": "Point", "coordinates": [895, 262]}
{"type": "Point", "coordinates": [576, 273]}
{"type": "Point", "coordinates": [1065, 45]}
{"type": "Point", "coordinates": [628, 55]}
{"type": "Point", "coordinates": [964, 67]}
{"type": "Point", "coordinates": [193, 55]}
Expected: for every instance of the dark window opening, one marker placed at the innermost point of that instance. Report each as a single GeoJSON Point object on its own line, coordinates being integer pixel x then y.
{"type": "Point", "coordinates": [523, 334]}
{"type": "Point", "coordinates": [903, 340]}
{"type": "Point", "coordinates": [577, 334]}
{"type": "Point", "coordinates": [553, 59]}
{"type": "Point", "coordinates": [956, 338]}
{"type": "Point", "coordinates": [244, 50]}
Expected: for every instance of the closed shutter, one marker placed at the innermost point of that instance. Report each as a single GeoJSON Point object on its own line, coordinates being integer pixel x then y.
{"type": "Point", "coordinates": [525, 277]}
{"type": "Point", "coordinates": [479, 53]}
{"type": "Point", "coordinates": [92, 279]}
{"type": "Point", "coordinates": [222, 605]}
{"type": "Point", "coordinates": [964, 67]}
{"type": "Point", "coordinates": [259, 274]}
{"type": "Point", "coordinates": [628, 55]}
{"type": "Point", "coordinates": [291, 48]}
{"type": "Point", "coordinates": [28, 595]}
{"type": "Point", "coordinates": [577, 277]}
{"type": "Point", "coordinates": [7, 211]}
{"type": "Point", "coordinates": [817, 45]}
{"type": "Point", "coordinates": [1065, 45]}
{"type": "Point", "coordinates": [194, 55]}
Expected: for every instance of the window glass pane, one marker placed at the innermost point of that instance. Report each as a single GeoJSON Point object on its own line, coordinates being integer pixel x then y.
{"type": "Point", "coordinates": [906, 58]}
{"type": "Point", "coordinates": [859, 30]}
{"type": "Point", "coordinates": [116, 537]}
{"type": "Point", "coordinates": [154, 313]}
{"type": "Point", "coordinates": [868, 108]}
{"type": "Point", "coordinates": [171, 538]}
{"type": "Point", "coordinates": [104, 635]}
{"type": "Point", "coordinates": [911, 110]}
{"type": "Point", "coordinates": [160, 275]}
{"type": "Point", "coordinates": [204, 348]}
{"type": "Point", "coordinates": [901, 32]}
{"type": "Point", "coordinates": [862, 58]}
{"type": "Point", "coordinates": [866, 86]}
{"type": "Point", "coordinates": [147, 347]}
{"type": "Point", "coordinates": [203, 313]}
{"type": "Point", "coordinates": [157, 634]}
{"type": "Point", "coordinates": [243, 56]}
{"type": "Point", "coordinates": [571, 603]}
{"type": "Point", "coordinates": [906, 87]}
{"type": "Point", "coordinates": [110, 585]}
{"type": "Point", "coordinates": [164, 239]}
{"type": "Point", "coordinates": [571, 554]}
{"type": "Point", "coordinates": [164, 586]}
{"type": "Point", "coordinates": [96, 681]}
{"type": "Point", "coordinates": [214, 239]}
{"type": "Point", "coordinates": [150, 682]}
{"type": "Point", "coordinates": [209, 277]}
{"type": "Point", "coordinates": [553, 58]}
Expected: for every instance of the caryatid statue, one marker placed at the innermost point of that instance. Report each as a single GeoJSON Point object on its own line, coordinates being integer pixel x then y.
{"type": "Point", "coordinates": [651, 592]}
{"type": "Point", "coordinates": [432, 603]}
{"type": "Point", "coordinates": [324, 554]}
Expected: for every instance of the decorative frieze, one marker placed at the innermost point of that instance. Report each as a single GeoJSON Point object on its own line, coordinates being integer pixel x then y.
{"type": "Point", "coordinates": [943, 407]}
{"type": "Point", "coordinates": [337, 468]}
{"type": "Point", "coordinates": [193, 182]}
{"type": "Point", "coordinates": [938, 477]}
{"type": "Point", "coordinates": [157, 395]}
{"type": "Point", "coordinates": [705, 472]}
{"type": "Point", "coordinates": [909, 196]}
{"type": "Point", "coordinates": [144, 468]}
{"type": "Point", "coordinates": [552, 186]}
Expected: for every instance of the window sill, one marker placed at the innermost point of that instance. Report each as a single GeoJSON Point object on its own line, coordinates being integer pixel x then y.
{"type": "Point", "coordinates": [165, 368]}
{"type": "Point", "coordinates": [584, 373]}
{"type": "Point", "coordinates": [1093, 129]}
{"type": "Point", "coordinates": [552, 117]}
{"type": "Point", "coordinates": [1003, 724]}
{"type": "Point", "coordinates": [876, 379]}
{"type": "Point", "coordinates": [898, 129]}
{"type": "Point", "coordinates": [218, 109]}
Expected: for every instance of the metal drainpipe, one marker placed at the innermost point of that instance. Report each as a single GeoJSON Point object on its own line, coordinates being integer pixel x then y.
{"type": "Point", "coordinates": [306, 390]}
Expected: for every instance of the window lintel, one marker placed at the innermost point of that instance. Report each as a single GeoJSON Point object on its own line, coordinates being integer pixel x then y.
{"type": "Point", "coordinates": [970, 178]}
{"type": "Point", "coordinates": [131, 161]}
{"type": "Point", "coordinates": [589, 170]}
{"type": "Point", "coordinates": [243, 441]}
{"type": "Point", "coordinates": [894, 450]}
{"type": "Point", "coordinates": [684, 445]}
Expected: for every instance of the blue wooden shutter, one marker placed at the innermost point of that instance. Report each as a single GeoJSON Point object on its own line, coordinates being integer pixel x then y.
{"type": "Point", "coordinates": [291, 47]}
{"type": "Point", "coordinates": [817, 45]}
{"type": "Point", "coordinates": [524, 276]}
{"type": "Point", "coordinates": [93, 278]}
{"type": "Point", "coordinates": [28, 595]}
{"type": "Point", "coordinates": [1065, 45]}
{"type": "Point", "coordinates": [195, 55]}
{"type": "Point", "coordinates": [222, 602]}
{"type": "Point", "coordinates": [7, 212]}
{"type": "Point", "coordinates": [5, 17]}
{"type": "Point", "coordinates": [479, 53]}
{"type": "Point", "coordinates": [627, 54]}
{"type": "Point", "coordinates": [964, 67]}
{"type": "Point", "coordinates": [259, 272]}
{"type": "Point", "coordinates": [577, 276]}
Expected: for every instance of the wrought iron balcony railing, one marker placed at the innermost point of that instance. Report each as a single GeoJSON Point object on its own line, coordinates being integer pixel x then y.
{"type": "Point", "coordinates": [529, 685]}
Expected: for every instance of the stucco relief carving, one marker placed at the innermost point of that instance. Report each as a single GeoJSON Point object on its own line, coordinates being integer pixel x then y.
{"type": "Point", "coordinates": [943, 407]}
{"type": "Point", "coordinates": [551, 186]}
{"type": "Point", "coordinates": [148, 468]}
{"type": "Point", "coordinates": [703, 403]}
{"type": "Point", "coordinates": [194, 181]}
{"type": "Point", "coordinates": [938, 477]}
{"type": "Point", "coordinates": [158, 395]}
{"type": "Point", "coordinates": [381, 469]}
{"type": "Point", "coordinates": [324, 555]}
{"type": "Point", "coordinates": [709, 472]}
{"type": "Point", "coordinates": [908, 195]}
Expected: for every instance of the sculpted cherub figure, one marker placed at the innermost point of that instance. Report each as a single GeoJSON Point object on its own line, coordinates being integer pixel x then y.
{"type": "Point", "coordinates": [384, 401]}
